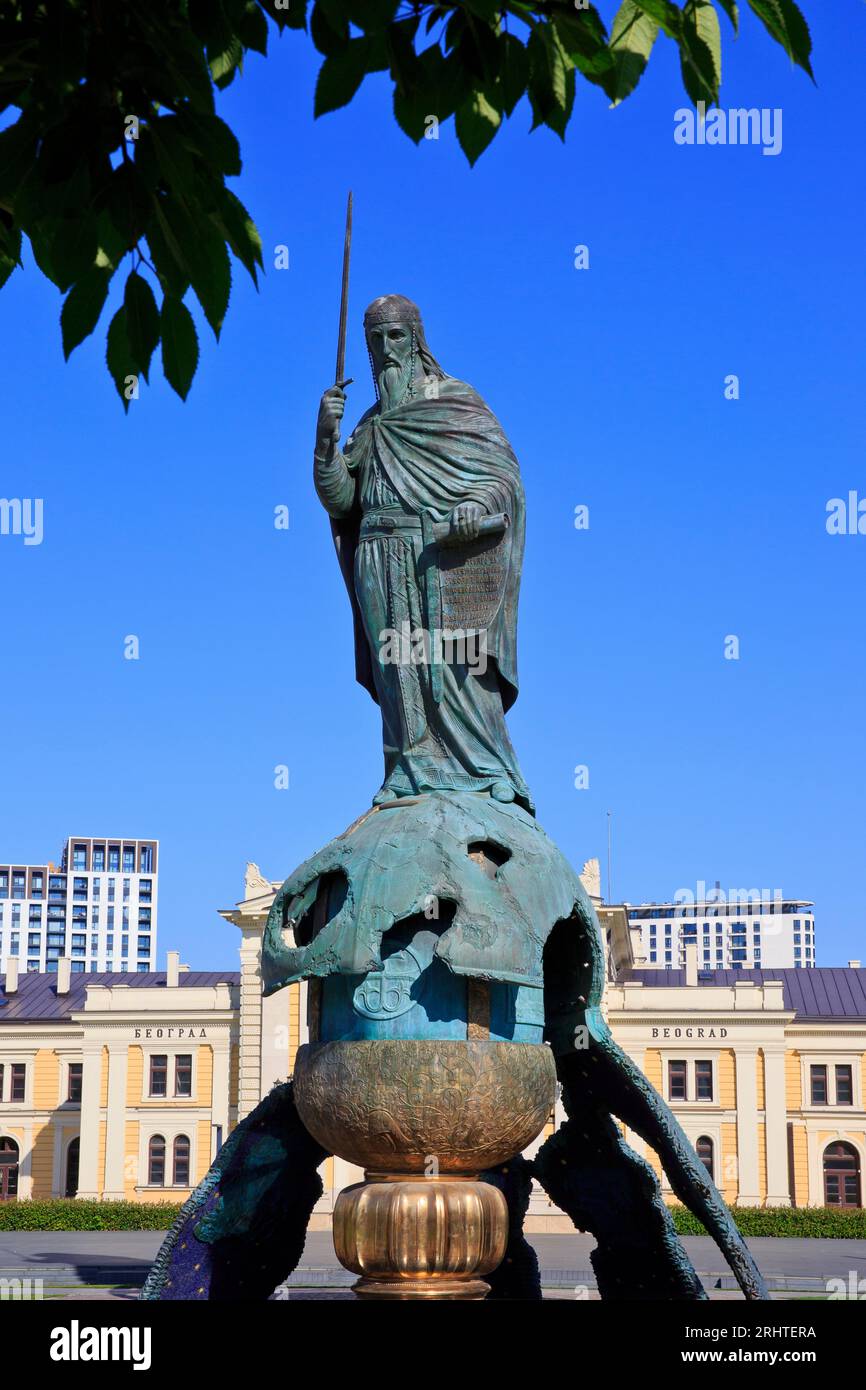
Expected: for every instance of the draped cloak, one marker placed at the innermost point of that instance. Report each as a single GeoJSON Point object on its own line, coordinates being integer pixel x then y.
{"type": "Point", "coordinates": [402, 473]}
{"type": "Point", "coordinates": [436, 453]}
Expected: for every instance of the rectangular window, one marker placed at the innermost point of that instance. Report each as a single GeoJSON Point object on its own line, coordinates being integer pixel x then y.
{"type": "Point", "coordinates": [113, 858]}
{"type": "Point", "coordinates": [677, 1081]}
{"type": "Point", "coordinates": [18, 1081]}
{"type": "Point", "coordinates": [818, 1077]}
{"type": "Point", "coordinates": [156, 1161]}
{"type": "Point", "coordinates": [128, 861]}
{"type": "Point", "coordinates": [99, 859]}
{"type": "Point", "coordinates": [180, 1175]}
{"type": "Point", "coordinates": [76, 1071]}
{"type": "Point", "coordinates": [18, 885]}
{"type": "Point", "coordinates": [159, 1074]}
{"type": "Point", "coordinates": [844, 1086]}
{"type": "Point", "coordinates": [704, 1080]}
{"type": "Point", "coordinates": [183, 1074]}
{"type": "Point", "coordinates": [79, 857]}
{"type": "Point", "coordinates": [146, 860]}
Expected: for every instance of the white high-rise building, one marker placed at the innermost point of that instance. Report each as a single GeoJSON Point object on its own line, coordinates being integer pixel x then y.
{"type": "Point", "coordinates": [731, 932]}
{"type": "Point", "coordinates": [98, 907]}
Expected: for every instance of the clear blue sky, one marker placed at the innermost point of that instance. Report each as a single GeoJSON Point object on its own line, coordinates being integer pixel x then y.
{"type": "Point", "coordinates": [707, 515]}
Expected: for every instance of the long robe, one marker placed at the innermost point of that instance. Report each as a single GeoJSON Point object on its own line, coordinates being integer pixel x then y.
{"type": "Point", "coordinates": [443, 723]}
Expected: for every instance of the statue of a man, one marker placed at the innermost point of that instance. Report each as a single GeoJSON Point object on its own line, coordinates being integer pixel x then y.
{"type": "Point", "coordinates": [407, 498]}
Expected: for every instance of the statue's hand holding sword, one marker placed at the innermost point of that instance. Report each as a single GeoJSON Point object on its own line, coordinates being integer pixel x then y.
{"type": "Point", "coordinates": [333, 402]}
{"type": "Point", "coordinates": [468, 520]}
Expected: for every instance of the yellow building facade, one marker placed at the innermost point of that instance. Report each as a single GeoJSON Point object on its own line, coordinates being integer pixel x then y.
{"type": "Point", "coordinates": [125, 1086]}
{"type": "Point", "coordinates": [115, 1085]}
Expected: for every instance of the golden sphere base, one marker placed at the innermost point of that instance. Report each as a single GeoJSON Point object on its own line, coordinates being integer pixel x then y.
{"type": "Point", "coordinates": [421, 1238]}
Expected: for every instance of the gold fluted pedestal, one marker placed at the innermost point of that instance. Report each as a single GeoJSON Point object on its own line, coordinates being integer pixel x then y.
{"type": "Point", "coordinates": [420, 1237]}
{"type": "Point", "coordinates": [403, 1108]}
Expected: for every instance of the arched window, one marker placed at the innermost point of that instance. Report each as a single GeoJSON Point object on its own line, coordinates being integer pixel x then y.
{"type": "Point", "coordinates": [704, 1151]}
{"type": "Point", "coordinates": [8, 1170]}
{"type": "Point", "coordinates": [841, 1176]}
{"type": "Point", "coordinates": [156, 1161]}
{"type": "Point", "coordinates": [181, 1161]}
{"type": "Point", "coordinates": [72, 1168]}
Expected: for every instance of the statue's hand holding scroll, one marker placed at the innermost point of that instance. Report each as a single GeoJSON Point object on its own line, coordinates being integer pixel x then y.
{"type": "Point", "coordinates": [466, 519]}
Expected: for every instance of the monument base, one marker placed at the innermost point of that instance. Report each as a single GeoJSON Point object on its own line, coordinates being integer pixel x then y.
{"type": "Point", "coordinates": [421, 1238]}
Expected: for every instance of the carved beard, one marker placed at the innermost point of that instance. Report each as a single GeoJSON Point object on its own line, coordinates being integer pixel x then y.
{"type": "Point", "coordinates": [393, 383]}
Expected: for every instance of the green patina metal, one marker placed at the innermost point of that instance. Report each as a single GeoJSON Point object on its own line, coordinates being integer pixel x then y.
{"type": "Point", "coordinates": [449, 879]}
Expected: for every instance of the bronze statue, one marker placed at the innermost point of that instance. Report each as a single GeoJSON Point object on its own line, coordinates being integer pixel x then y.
{"type": "Point", "coordinates": [454, 963]}
{"type": "Point", "coordinates": [428, 456]}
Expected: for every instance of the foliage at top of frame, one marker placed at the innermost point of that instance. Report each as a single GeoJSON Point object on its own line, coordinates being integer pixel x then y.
{"type": "Point", "coordinates": [118, 150]}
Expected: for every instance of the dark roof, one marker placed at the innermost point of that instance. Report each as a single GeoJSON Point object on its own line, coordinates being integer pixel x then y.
{"type": "Point", "coordinates": [822, 992]}
{"type": "Point", "coordinates": [37, 997]}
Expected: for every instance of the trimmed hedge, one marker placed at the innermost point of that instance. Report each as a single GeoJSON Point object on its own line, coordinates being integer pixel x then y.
{"type": "Point", "coordinates": [68, 1215]}
{"type": "Point", "coordinates": [64, 1215]}
{"type": "Point", "coordinates": [832, 1223]}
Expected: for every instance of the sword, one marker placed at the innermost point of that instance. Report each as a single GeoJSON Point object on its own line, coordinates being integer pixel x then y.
{"type": "Point", "coordinates": [340, 378]}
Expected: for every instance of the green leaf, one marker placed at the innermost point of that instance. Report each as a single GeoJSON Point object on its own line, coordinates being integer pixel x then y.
{"type": "Point", "coordinates": [513, 71]}
{"type": "Point", "coordinates": [484, 9]}
{"type": "Point", "coordinates": [731, 10]}
{"type": "Point", "coordinates": [82, 308]}
{"type": "Point", "coordinates": [584, 40]}
{"type": "Point", "coordinates": [200, 251]}
{"type": "Point", "coordinates": [668, 16]}
{"type": "Point", "coordinates": [241, 233]}
{"type": "Point", "coordinates": [436, 91]}
{"type": "Point", "coordinates": [118, 357]}
{"type": "Point", "coordinates": [73, 248]}
{"type": "Point", "coordinates": [551, 80]}
{"type": "Point", "coordinates": [701, 51]}
{"type": "Point", "coordinates": [369, 14]}
{"type": "Point", "coordinates": [165, 252]}
{"type": "Point", "coordinates": [18, 144]}
{"type": "Point", "coordinates": [10, 248]}
{"type": "Point", "coordinates": [340, 76]}
{"type": "Point", "coordinates": [208, 136]}
{"type": "Point", "coordinates": [126, 200]}
{"type": "Point", "coordinates": [253, 29]}
{"type": "Point", "coordinates": [328, 36]}
{"type": "Point", "coordinates": [224, 60]}
{"type": "Point", "coordinates": [631, 41]}
{"type": "Point", "coordinates": [179, 345]}
{"type": "Point", "coordinates": [173, 155]}
{"type": "Point", "coordinates": [477, 121]}
{"type": "Point", "coordinates": [785, 23]}
{"type": "Point", "coordinates": [142, 321]}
